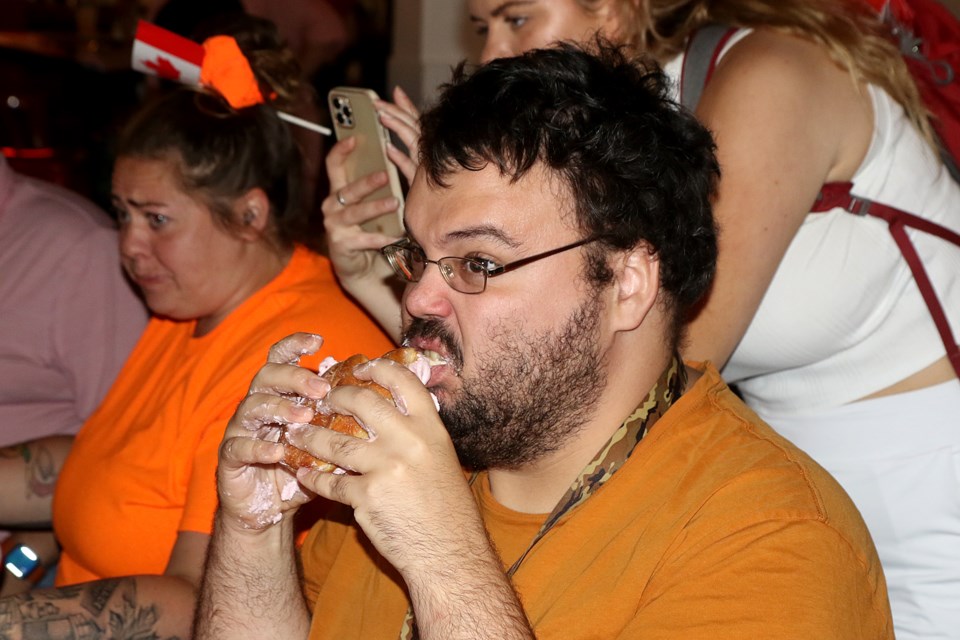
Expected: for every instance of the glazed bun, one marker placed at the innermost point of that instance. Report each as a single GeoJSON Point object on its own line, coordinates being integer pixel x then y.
{"type": "Point", "coordinates": [340, 374]}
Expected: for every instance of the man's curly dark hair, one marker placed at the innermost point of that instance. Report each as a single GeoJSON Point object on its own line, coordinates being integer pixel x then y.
{"type": "Point", "coordinates": [640, 168]}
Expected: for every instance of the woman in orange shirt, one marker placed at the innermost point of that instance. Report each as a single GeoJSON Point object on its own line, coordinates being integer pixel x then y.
{"type": "Point", "coordinates": [208, 203]}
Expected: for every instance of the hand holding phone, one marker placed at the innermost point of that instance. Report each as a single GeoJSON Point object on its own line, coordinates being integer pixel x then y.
{"type": "Point", "coordinates": [354, 114]}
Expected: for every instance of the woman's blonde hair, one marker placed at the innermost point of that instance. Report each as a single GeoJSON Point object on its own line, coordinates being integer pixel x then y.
{"type": "Point", "coordinates": [851, 31]}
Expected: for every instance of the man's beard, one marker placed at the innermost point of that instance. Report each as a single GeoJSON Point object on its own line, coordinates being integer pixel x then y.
{"type": "Point", "coordinates": [529, 394]}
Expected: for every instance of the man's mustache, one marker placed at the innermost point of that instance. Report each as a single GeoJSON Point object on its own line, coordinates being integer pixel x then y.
{"type": "Point", "coordinates": [431, 329]}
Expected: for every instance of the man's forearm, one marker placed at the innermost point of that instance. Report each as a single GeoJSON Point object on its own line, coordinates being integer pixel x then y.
{"type": "Point", "coordinates": [251, 586]}
{"type": "Point", "coordinates": [158, 607]}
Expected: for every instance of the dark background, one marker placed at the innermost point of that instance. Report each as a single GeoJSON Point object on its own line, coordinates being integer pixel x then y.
{"type": "Point", "coordinates": [66, 87]}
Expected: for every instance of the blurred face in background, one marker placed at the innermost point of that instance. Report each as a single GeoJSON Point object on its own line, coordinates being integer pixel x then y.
{"type": "Point", "coordinates": [188, 265]}
{"type": "Point", "coordinates": [510, 27]}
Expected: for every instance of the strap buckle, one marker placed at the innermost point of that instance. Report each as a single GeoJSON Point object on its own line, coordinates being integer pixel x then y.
{"type": "Point", "coordinates": [859, 206]}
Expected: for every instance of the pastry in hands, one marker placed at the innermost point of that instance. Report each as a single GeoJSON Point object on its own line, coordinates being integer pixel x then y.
{"type": "Point", "coordinates": [339, 374]}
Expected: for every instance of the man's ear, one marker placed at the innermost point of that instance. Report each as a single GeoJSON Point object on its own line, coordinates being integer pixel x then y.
{"type": "Point", "coordinates": [636, 286]}
{"type": "Point", "coordinates": [252, 212]}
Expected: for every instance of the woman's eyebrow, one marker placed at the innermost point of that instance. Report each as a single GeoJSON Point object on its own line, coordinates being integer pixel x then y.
{"type": "Point", "coordinates": [136, 203]}
{"type": "Point", "coordinates": [501, 8]}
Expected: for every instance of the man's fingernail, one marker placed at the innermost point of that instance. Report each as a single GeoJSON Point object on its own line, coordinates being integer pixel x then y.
{"type": "Point", "coordinates": [318, 384]}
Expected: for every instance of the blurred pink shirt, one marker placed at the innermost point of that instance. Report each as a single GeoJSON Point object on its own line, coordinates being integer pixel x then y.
{"type": "Point", "coordinates": [68, 318]}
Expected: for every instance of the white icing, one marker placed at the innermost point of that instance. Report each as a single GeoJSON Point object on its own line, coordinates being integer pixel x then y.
{"type": "Point", "coordinates": [262, 504]}
{"type": "Point", "coordinates": [421, 368]}
{"type": "Point", "coordinates": [325, 365]}
{"type": "Point", "coordinates": [290, 490]}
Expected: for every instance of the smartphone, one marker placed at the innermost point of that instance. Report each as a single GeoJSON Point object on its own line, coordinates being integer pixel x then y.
{"type": "Point", "coordinates": [354, 114]}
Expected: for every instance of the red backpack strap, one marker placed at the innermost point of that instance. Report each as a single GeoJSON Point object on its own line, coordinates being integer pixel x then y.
{"type": "Point", "coordinates": [838, 194]}
{"type": "Point", "coordinates": [700, 60]}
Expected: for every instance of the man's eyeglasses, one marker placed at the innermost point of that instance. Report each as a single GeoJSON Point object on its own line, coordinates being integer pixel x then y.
{"type": "Point", "coordinates": [466, 275]}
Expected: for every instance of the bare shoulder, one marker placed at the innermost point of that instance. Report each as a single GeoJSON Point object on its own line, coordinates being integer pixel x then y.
{"type": "Point", "coordinates": [773, 56]}
{"type": "Point", "coordinates": [772, 83]}
{"type": "Point", "coordinates": [786, 120]}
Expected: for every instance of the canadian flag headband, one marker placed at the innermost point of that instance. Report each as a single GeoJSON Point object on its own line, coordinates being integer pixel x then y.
{"type": "Point", "coordinates": [217, 64]}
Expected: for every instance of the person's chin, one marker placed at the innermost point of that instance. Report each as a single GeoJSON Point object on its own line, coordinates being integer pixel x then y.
{"type": "Point", "coordinates": [161, 305]}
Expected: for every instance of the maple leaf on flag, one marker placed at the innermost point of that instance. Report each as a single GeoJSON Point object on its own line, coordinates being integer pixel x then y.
{"type": "Point", "coordinates": [163, 68]}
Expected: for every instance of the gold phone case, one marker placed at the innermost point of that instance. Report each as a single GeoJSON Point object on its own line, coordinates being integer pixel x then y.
{"type": "Point", "coordinates": [353, 114]}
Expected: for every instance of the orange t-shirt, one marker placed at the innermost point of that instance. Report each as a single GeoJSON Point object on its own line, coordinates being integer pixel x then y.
{"type": "Point", "coordinates": [143, 466]}
{"type": "Point", "coordinates": [715, 528]}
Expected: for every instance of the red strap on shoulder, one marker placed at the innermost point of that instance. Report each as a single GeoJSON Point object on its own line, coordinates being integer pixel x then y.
{"type": "Point", "coordinates": [837, 194]}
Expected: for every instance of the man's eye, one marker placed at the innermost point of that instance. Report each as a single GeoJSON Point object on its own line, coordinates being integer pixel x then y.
{"type": "Point", "coordinates": [478, 265]}
{"type": "Point", "coordinates": [121, 215]}
{"type": "Point", "coordinates": [481, 29]}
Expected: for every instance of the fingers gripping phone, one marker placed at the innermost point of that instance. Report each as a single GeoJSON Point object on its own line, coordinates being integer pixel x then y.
{"type": "Point", "coordinates": [354, 114]}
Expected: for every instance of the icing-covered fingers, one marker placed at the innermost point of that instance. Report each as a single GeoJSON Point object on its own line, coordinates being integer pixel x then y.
{"type": "Point", "coordinates": [275, 380]}
{"type": "Point", "coordinates": [290, 349]}
{"type": "Point", "coordinates": [405, 383]}
{"type": "Point", "coordinates": [260, 413]}
{"type": "Point", "coordinates": [240, 452]}
{"type": "Point", "coordinates": [338, 449]}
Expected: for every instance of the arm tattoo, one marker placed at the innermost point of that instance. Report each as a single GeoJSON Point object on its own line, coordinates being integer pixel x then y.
{"type": "Point", "coordinates": [16, 451]}
{"type": "Point", "coordinates": [95, 597]}
{"type": "Point", "coordinates": [42, 471]}
{"type": "Point", "coordinates": [40, 467]}
{"type": "Point", "coordinates": [82, 612]}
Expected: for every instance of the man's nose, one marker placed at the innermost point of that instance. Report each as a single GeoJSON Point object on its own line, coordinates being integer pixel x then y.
{"type": "Point", "coordinates": [430, 297]}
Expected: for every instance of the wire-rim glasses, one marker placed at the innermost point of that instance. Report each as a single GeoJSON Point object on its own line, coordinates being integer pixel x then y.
{"type": "Point", "coordinates": [466, 275]}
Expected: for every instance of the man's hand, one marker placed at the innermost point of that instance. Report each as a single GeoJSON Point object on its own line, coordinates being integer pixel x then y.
{"type": "Point", "coordinates": [406, 486]}
{"type": "Point", "coordinates": [255, 491]}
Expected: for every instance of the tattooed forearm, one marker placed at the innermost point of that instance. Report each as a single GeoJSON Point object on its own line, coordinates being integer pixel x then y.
{"type": "Point", "coordinates": [97, 594]}
{"type": "Point", "coordinates": [102, 610]}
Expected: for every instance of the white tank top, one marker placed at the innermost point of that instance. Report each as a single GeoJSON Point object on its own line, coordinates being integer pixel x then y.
{"type": "Point", "coordinates": [843, 317]}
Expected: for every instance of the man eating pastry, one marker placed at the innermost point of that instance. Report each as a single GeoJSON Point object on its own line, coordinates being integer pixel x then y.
{"type": "Point", "coordinates": [578, 480]}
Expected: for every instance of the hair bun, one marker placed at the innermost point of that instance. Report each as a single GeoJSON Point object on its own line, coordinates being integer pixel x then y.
{"type": "Point", "coordinates": [273, 63]}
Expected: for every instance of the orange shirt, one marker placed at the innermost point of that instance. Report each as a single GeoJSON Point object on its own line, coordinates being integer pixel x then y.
{"type": "Point", "coordinates": [143, 466]}
{"type": "Point", "coordinates": [715, 528]}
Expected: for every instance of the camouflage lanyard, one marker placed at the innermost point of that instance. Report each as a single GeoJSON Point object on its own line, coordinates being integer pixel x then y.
{"type": "Point", "coordinates": [611, 458]}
